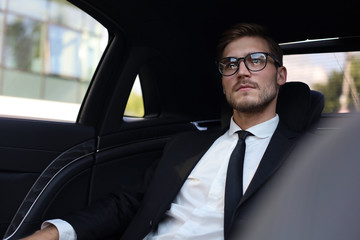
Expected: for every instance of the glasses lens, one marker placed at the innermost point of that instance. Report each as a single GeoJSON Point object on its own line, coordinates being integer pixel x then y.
{"type": "Point", "coordinates": [256, 61]}
{"type": "Point", "coordinates": [228, 66]}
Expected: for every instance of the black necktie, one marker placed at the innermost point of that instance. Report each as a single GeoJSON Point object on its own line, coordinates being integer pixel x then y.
{"type": "Point", "coordinates": [234, 177]}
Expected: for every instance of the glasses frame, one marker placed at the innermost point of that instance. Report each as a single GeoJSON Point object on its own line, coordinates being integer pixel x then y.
{"type": "Point", "coordinates": [238, 60]}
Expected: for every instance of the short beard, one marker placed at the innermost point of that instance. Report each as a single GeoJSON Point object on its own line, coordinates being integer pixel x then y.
{"type": "Point", "coordinates": [255, 107]}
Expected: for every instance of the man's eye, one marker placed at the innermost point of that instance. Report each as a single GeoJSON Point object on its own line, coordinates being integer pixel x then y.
{"type": "Point", "coordinates": [256, 61]}
{"type": "Point", "coordinates": [230, 66]}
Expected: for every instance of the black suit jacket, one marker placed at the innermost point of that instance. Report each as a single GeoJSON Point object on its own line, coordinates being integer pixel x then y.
{"type": "Point", "coordinates": [134, 215]}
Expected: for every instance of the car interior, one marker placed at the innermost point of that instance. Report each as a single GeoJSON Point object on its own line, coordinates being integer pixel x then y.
{"type": "Point", "coordinates": [49, 169]}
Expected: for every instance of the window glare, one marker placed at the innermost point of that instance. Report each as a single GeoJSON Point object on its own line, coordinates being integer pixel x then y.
{"type": "Point", "coordinates": [336, 75]}
{"type": "Point", "coordinates": [49, 52]}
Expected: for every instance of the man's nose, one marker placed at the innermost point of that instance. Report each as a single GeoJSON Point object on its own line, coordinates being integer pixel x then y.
{"type": "Point", "coordinates": [243, 70]}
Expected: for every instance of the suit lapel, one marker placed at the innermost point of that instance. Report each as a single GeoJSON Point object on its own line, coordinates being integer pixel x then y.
{"type": "Point", "coordinates": [179, 158]}
{"type": "Point", "coordinates": [179, 164]}
{"type": "Point", "coordinates": [279, 147]}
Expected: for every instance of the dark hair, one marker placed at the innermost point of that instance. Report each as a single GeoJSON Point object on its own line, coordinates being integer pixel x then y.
{"type": "Point", "coordinates": [249, 30]}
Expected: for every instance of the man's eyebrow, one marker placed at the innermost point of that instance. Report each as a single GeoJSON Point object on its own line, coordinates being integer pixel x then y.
{"type": "Point", "coordinates": [244, 54]}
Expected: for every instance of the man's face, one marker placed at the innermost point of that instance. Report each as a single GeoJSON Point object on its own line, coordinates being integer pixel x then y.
{"type": "Point", "coordinates": [247, 91]}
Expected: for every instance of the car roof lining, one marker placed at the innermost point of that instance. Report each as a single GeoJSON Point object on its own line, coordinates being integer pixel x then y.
{"type": "Point", "coordinates": [342, 44]}
{"type": "Point", "coordinates": [287, 23]}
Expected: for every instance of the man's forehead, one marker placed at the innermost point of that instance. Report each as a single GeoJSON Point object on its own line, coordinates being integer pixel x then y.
{"type": "Point", "coordinates": [245, 45]}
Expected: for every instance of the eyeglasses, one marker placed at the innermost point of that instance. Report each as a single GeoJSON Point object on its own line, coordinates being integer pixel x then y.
{"type": "Point", "coordinates": [254, 62]}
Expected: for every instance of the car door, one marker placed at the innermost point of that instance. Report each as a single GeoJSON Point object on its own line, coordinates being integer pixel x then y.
{"type": "Point", "coordinates": [50, 168]}
{"type": "Point", "coordinates": [27, 147]}
{"type": "Point", "coordinates": [40, 94]}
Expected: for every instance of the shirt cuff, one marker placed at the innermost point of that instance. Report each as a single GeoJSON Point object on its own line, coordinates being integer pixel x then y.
{"type": "Point", "coordinates": [66, 231]}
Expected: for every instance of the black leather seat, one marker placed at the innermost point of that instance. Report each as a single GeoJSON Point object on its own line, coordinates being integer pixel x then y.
{"type": "Point", "coordinates": [298, 106]}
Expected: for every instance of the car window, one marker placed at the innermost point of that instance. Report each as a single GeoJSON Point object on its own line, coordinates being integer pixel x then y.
{"type": "Point", "coordinates": [336, 75]}
{"type": "Point", "coordinates": [135, 104]}
{"type": "Point", "coordinates": [49, 52]}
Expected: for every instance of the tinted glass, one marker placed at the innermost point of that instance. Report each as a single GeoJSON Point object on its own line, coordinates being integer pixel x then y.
{"type": "Point", "coordinates": [336, 75]}
{"type": "Point", "coordinates": [49, 52]}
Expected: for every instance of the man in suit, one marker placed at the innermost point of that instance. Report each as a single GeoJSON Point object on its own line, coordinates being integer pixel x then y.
{"type": "Point", "coordinates": [185, 197]}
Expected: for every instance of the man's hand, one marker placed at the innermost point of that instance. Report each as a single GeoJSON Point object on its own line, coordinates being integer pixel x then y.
{"type": "Point", "coordinates": [48, 233]}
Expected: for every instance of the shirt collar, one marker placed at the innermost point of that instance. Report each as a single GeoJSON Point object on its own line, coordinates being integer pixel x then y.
{"type": "Point", "coordinates": [262, 130]}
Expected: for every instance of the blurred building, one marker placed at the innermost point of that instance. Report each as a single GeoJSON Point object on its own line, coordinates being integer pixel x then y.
{"type": "Point", "coordinates": [49, 50]}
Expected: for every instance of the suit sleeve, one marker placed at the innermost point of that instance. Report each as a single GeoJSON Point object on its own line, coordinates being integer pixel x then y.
{"type": "Point", "coordinates": [110, 216]}
{"type": "Point", "coordinates": [107, 217]}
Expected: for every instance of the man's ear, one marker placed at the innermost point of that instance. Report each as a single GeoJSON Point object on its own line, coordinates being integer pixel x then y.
{"type": "Point", "coordinates": [281, 75]}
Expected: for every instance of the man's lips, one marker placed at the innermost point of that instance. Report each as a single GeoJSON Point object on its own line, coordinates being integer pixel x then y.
{"type": "Point", "coordinates": [245, 87]}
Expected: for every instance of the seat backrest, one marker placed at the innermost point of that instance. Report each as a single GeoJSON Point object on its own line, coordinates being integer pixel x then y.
{"type": "Point", "coordinates": [299, 108]}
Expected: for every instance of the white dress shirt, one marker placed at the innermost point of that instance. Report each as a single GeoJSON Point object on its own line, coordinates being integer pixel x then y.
{"type": "Point", "coordinates": [198, 210]}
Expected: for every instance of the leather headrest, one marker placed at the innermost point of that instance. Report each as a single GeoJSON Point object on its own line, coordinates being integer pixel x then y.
{"type": "Point", "coordinates": [298, 106]}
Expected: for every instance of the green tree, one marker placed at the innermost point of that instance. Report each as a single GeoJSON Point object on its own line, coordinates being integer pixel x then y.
{"type": "Point", "coordinates": [355, 73]}
{"type": "Point", "coordinates": [332, 90]}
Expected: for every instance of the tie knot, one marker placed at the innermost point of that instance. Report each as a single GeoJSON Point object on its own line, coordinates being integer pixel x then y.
{"type": "Point", "coordinates": [244, 134]}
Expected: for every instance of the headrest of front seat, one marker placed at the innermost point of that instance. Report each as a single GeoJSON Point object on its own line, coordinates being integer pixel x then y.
{"type": "Point", "coordinates": [298, 106]}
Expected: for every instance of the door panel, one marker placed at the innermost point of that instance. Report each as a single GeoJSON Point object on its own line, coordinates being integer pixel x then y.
{"type": "Point", "coordinates": [121, 160]}
{"type": "Point", "coordinates": [124, 166]}
{"type": "Point", "coordinates": [54, 195]}
{"type": "Point", "coordinates": [27, 147]}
